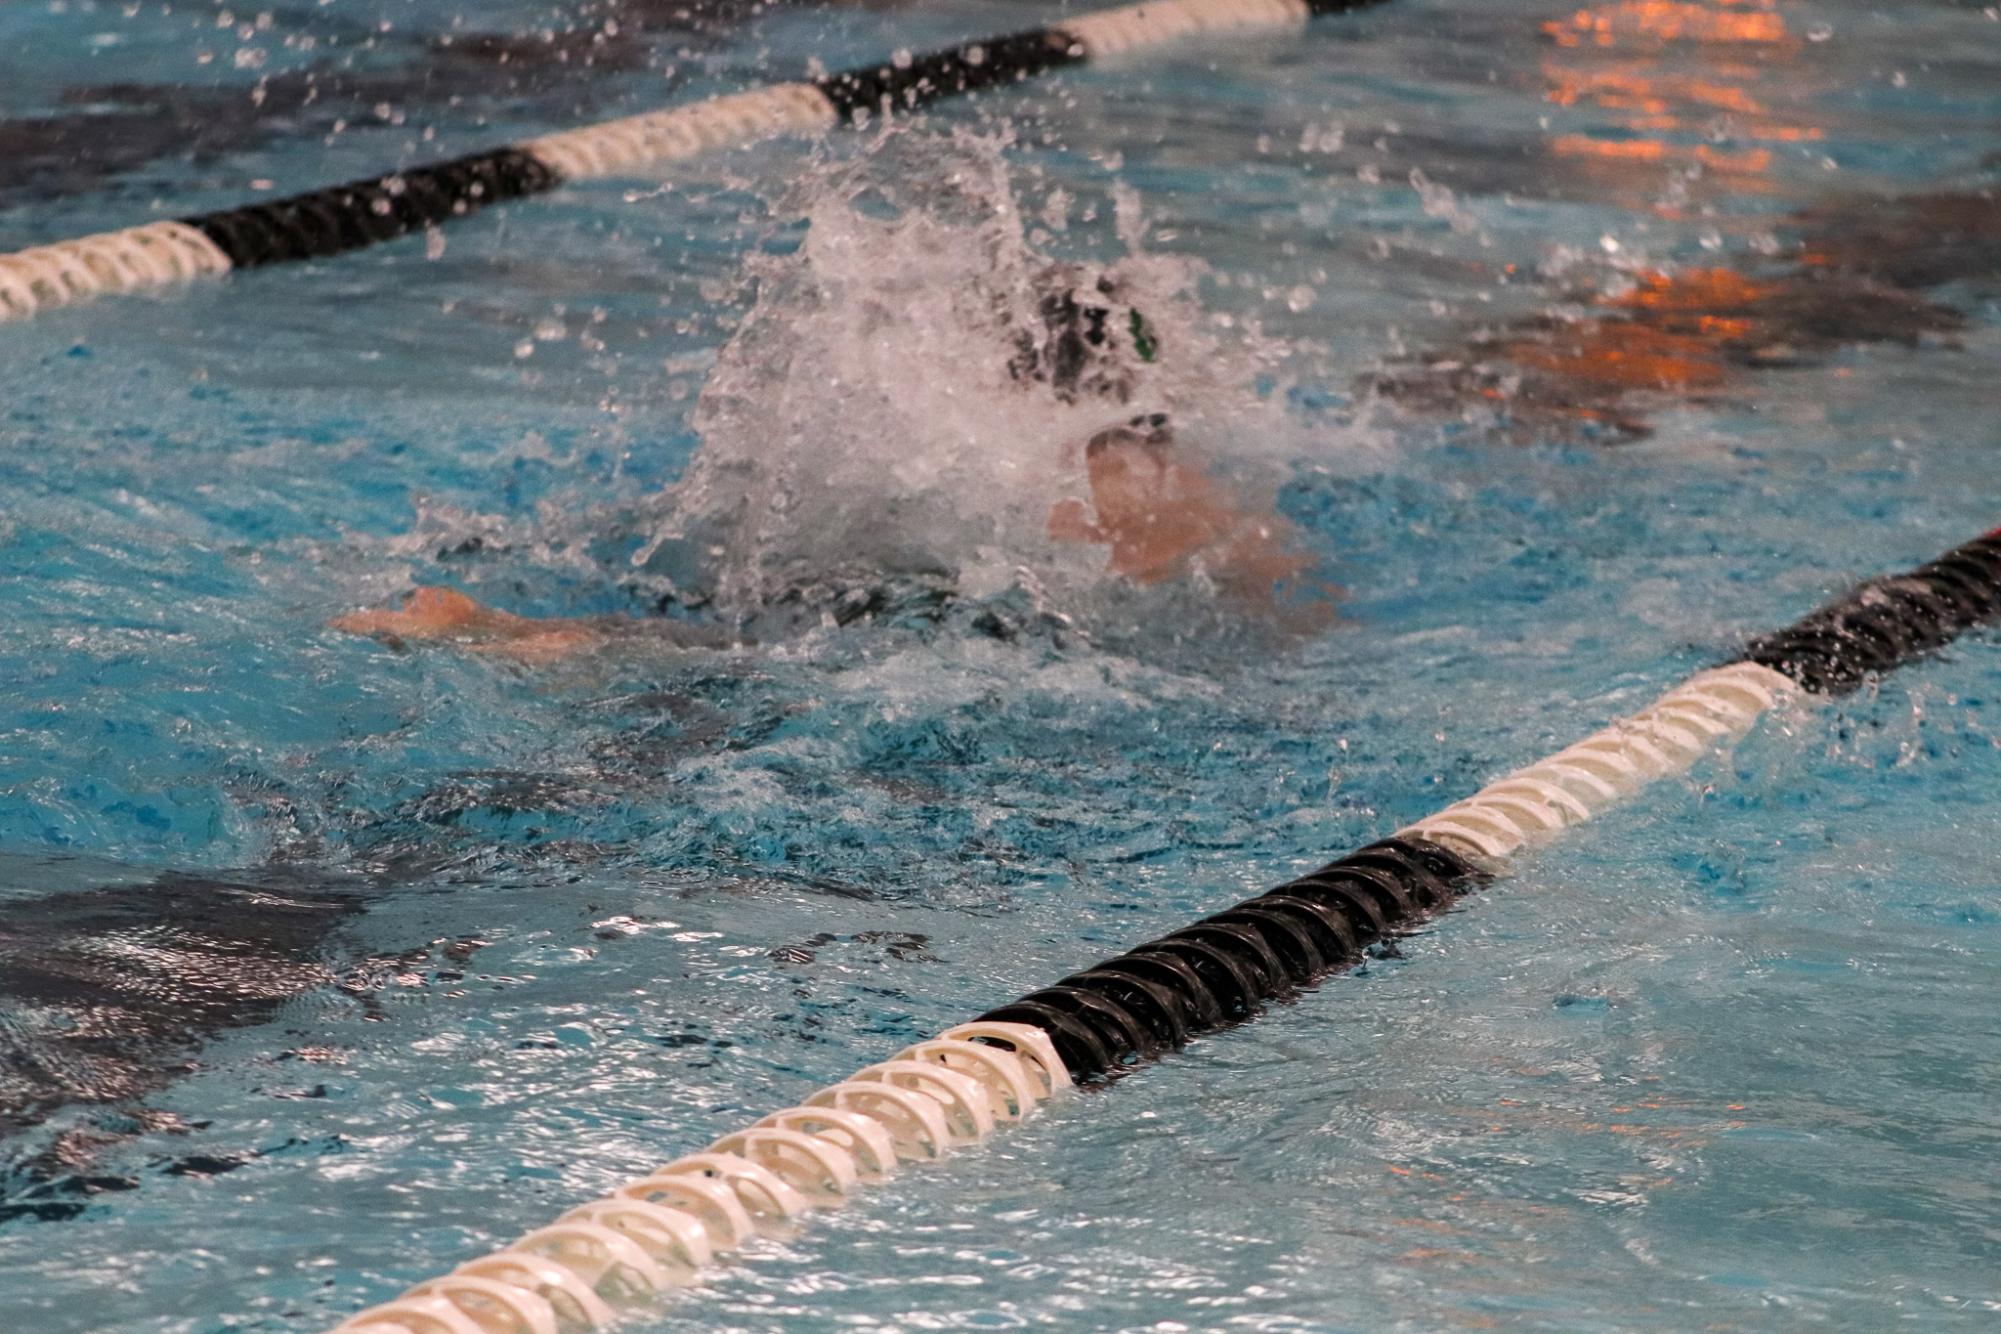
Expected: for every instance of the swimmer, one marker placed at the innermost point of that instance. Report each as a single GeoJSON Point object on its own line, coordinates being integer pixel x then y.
{"type": "Point", "coordinates": [1160, 516]}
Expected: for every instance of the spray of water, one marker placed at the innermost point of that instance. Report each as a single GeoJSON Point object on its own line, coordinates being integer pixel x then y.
{"type": "Point", "coordinates": [900, 408]}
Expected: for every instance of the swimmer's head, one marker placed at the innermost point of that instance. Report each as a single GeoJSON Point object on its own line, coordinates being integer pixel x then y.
{"type": "Point", "coordinates": [1088, 342]}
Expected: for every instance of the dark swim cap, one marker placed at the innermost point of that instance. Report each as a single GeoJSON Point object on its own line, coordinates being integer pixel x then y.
{"type": "Point", "coordinates": [1090, 341]}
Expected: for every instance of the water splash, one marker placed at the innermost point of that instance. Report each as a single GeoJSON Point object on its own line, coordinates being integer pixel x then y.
{"type": "Point", "coordinates": [909, 393]}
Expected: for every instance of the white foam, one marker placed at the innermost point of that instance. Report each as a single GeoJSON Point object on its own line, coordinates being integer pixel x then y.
{"type": "Point", "coordinates": [863, 421]}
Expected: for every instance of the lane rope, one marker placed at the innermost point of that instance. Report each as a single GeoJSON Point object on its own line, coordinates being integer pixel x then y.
{"type": "Point", "coordinates": [341, 218]}
{"type": "Point", "coordinates": [659, 1231]}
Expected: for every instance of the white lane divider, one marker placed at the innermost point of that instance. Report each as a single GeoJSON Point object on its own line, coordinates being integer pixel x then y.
{"type": "Point", "coordinates": [659, 1232]}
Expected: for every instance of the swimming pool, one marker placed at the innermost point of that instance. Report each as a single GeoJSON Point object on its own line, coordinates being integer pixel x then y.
{"type": "Point", "coordinates": [489, 938]}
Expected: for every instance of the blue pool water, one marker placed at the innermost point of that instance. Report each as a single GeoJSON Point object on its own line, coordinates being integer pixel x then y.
{"type": "Point", "coordinates": [324, 966]}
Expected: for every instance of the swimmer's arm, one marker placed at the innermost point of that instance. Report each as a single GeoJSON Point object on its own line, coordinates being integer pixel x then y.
{"type": "Point", "coordinates": [447, 616]}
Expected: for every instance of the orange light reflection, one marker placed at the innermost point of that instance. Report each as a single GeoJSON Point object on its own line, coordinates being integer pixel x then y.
{"type": "Point", "coordinates": [1656, 102]}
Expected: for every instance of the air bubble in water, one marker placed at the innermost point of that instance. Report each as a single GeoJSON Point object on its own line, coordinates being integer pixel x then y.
{"type": "Point", "coordinates": [1438, 201]}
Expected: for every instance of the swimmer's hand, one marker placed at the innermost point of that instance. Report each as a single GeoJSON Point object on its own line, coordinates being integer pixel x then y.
{"type": "Point", "coordinates": [447, 616]}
